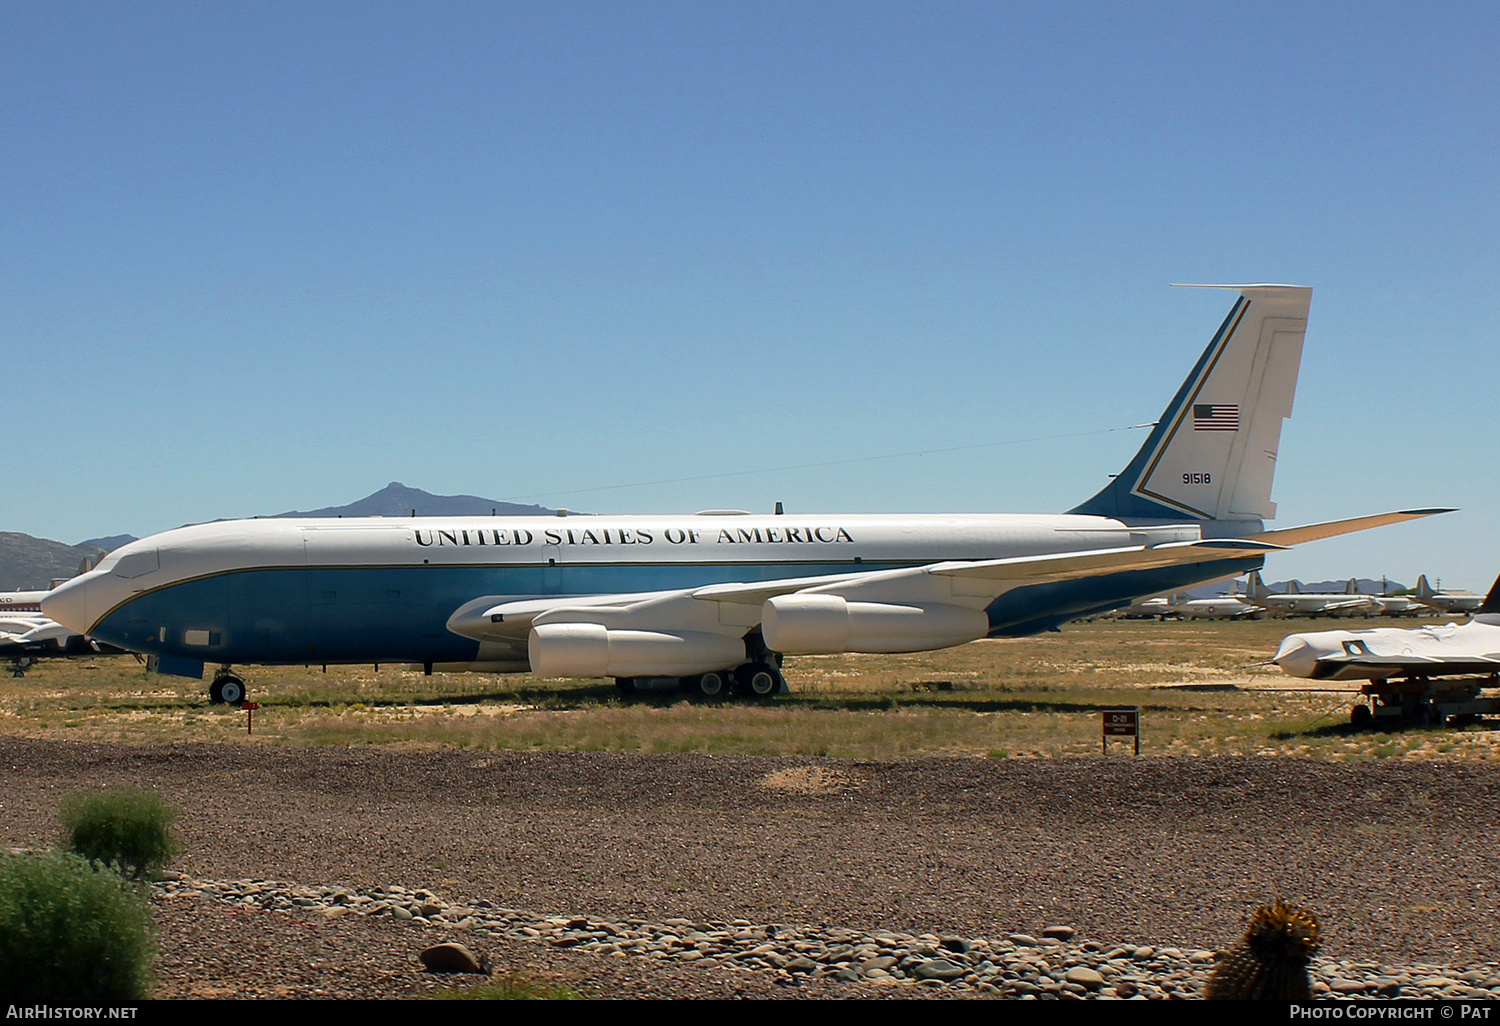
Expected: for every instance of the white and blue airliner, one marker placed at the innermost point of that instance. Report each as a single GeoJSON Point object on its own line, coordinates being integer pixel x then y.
{"type": "Point", "coordinates": [714, 601]}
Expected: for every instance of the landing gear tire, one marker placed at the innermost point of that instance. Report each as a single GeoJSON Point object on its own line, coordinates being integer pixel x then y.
{"type": "Point", "coordinates": [227, 689]}
{"type": "Point", "coordinates": [759, 680]}
{"type": "Point", "coordinates": [1361, 717]}
{"type": "Point", "coordinates": [709, 685]}
{"type": "Point", "coordinates": [626, 685]}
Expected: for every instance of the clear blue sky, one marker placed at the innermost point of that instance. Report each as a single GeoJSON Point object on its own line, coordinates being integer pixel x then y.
{"type": "Point", "coordinates": [271, 256]}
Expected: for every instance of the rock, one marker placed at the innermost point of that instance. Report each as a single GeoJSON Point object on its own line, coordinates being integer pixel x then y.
{"type": "Point", "coordinates": [1083, 976]}
{"type": "Point", "coordinates": [452, 958]}
{"type": "Point", "coordinates": [939, 969]}
{"type": "Point", "coordinates": [1062, 933]}
{"type": "Point", "coordinates": [1021, 966]}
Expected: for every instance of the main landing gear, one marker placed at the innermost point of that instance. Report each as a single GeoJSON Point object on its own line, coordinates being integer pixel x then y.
{"type": "Point", "coordinates": [753, 681]}
{"type": "Point", "coordinates": [228, 688]}
{"type": "Point", "coordinates": [758, 680]}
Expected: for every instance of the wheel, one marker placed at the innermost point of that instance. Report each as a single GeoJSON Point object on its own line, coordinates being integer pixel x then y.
{"type": "Point", "coordinates": [759, 680]}
{"type": "Point", "coordinates": [1361, 717]}
{"type": "Point", "coordinates": [227, 689]}
{"type": "Point", "coordinates": [626, 685]}
{"type": "Point", "coordinates": [709, 685]}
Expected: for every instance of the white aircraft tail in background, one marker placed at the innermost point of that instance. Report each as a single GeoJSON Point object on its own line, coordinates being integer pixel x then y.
{"type": "Point", "coordinates": [1446, 601]}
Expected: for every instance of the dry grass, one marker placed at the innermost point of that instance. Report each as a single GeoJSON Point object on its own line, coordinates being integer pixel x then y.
{"type": "Point", "coordinates": [1197, 684]}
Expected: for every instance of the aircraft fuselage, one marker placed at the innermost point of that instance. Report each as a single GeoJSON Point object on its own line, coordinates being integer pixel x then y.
{"type": "Point", "coordinates": [382, 590]}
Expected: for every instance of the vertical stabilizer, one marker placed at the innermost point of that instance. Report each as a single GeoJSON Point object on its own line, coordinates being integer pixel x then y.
{"type": "Point", "coordinates": [1491, 604]}
{"type": "Point", "coordinates": [1213, 453]}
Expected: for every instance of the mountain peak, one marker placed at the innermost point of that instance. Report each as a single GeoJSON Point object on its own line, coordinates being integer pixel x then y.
{"type": "Point", "coordinates": [398, 500]}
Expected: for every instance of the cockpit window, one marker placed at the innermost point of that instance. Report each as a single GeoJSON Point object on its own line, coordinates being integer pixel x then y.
{"type": "Point", "coordinates": [137, 564]}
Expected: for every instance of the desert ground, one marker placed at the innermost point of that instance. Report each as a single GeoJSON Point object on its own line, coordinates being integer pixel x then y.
{"type": "Point", "coordinates": [960, 793]}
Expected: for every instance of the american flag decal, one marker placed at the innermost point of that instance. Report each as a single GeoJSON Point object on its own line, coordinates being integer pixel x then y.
{"type": "Point", "coordinates": [1218, 417]}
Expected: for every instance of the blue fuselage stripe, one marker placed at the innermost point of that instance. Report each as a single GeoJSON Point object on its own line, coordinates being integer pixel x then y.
{"type": "Point", "coordinates": [399, 614]}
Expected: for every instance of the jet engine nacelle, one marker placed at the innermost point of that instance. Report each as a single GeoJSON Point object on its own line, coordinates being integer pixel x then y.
{"type": "Point", "coordinates": [825, 624]}
{"type": "Point", "coordinates": [593, 650]}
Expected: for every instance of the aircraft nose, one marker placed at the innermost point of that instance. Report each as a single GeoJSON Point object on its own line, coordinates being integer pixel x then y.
{"type": "Point", "coordinates": [68, 604]}
{"type": "Point", "coordinates": [1296, 656]}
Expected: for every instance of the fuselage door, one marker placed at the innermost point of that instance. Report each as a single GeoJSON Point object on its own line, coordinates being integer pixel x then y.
{"type": "Point", "coordinates": [552, 568]}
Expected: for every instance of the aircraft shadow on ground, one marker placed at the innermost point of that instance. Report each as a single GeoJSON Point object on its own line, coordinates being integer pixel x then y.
{"type": "Point", "coordinates": [1333, 730]}
{"type": "Point", "coordinates": [586, 698]}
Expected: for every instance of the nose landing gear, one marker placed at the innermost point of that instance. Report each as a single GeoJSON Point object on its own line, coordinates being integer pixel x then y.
{"type": "Point", "coordinates": [228, 688]}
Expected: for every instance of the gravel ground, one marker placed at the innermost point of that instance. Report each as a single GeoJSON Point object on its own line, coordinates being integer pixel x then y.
{"type": "Point", "coordinates": [1399, 859]}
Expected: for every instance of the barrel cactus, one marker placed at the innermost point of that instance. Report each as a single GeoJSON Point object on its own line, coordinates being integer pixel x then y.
{"type": "Point", "coordinates": [1270, 964]}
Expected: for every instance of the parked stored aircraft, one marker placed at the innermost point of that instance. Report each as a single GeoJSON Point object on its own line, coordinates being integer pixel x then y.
{"type": "Point", "coordinates": [1156, 608]}
{"type": "Point", "coordinates": [21, 603]}
{"type": "Point", "coordinates": [1185, 606]}
{"type": "Point", "coordinates": [1220, 607]}
{"type": "Point", "coordinates": [1294, 602]}
{"type": "Point", "coordinates": [1400, 605]}
{"type": "Point", "coordinates": [1386, 605]}
{"type": "Point", "coordinates": [715, 599]}
{"type": "Point", "coordinates": [1382, 653]}
{"type": "Point", "coordinates": [26, 634]}
{"type": "Point", "coordinates": [1446, 601]}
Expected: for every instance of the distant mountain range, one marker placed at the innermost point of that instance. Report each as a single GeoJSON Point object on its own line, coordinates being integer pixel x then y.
{"type": "Point", "coordinates": [28, 563]}
{"type": "Point", "coordinates": [397, 500]}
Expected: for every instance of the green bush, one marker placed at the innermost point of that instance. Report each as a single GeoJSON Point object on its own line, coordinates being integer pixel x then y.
{"type": "Point", "coordinates": [72, 933]}
{"type": "Point", "coordinates": [129, 830]}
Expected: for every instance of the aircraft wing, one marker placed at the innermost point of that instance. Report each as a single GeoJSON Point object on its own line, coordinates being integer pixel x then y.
{"type": "Point", "coordinates": [1374, 667]}
{"type": "Point", "coordinates": [909, 609]}
{"type": "Point", "coordinates": [1353, 603]}
{"type": "Point", "coordinates": [732, 610]}
{"type": "Point", "coordinates": [1450, 664]}
{"type": "Point", "coordinates": [988, 578]}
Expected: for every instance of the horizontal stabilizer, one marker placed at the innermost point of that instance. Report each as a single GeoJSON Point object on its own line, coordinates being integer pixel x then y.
{"type": "Point", "coordinates": [1334, 528]}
